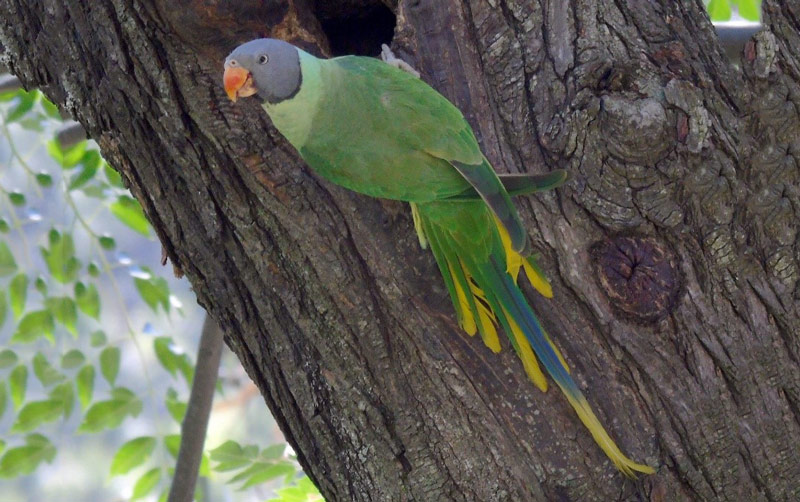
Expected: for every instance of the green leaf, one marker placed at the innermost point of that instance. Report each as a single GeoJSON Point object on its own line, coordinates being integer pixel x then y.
{"type": "Point", "coordinates": [167, 355]}
{"type": "Point", "coordinates": [41, 285]}
{"type": "Point", "coordinates": [95, 190]}
{"type": "Point", "coordinates": [60, 257]}
{"type": "Point", "coordinates": [72, 359]}
{"type": "Point", "coordinates": [90, 163]}
{"type": "Point", "coordinates": [7, 263]}
{"type": "Point", "coordinates": [36, 413]}
{"type": "Point", "coordinates": [154, 291]}
{"type": "Point", "coordinates": [107, 242]}
{"type": "Point", "coordinates": [92, 158]}
{"type": "Point", "coordinates": [261, 472]}
{"type": "Point", "coordinates": [97, 339]}
{"type": "Point", "coordinates": [81, 178]}
{"type": "Point", "coordinates": [46, 372]}
{"type": "Point", "coordinates": [230, 455]}
{"type": "Point", "coordinates": [17, 384]}
{"type": "Point", "coordinates": [302, 491]}
{"type": "Point", "coordinates": [88, 299]}
{"type": "Point", "coordinates": [205, 466]}
{"type": "Point", "coordinates": [84, 381]}
{"type": "Point", "coordinates": [719, 10]}
{"type": "Point", "coordinates": [109, 363]}
{"type": "Point", "coordinates": [113, 176]}
{"type": "Point", "coordinates": [146, 483]}
{"type": "Point", "coordinates": [44, 179]}
{"type": "Point", "coordinates": [4, 227]}
{"type": "Point", "coordinates": [68, 158]}
{"type": "Point", "coordinates": [26, 102]}
{"type": "Point", "coordinates": [132, 454]}
{"type": "Point", "coordinates": [24, 459]}
{"type": "Point", "coordinates": [65, 394]}
{"type": "Point", "coordinates": [93, 269]}
{"type": "Point", "coordinates": [64, 310]}
{"type": "Point", "coordinates": [273, 452]}
{"type": "Point", "coordinates": [50, 109]}
{"type": "Point", "coordinates": [175, 407]}
{"type": "Point", "coordinates": [18, 293]}
{"type": "Point", "coordinates": [109, 414]}
{"type": "Point", "coordinates": [34, 325]}
{"type": "Point", "coordinates": [8, 358]}
{"type": "Point", "coordinates": [32, 122]}
{"type": "Point", "coordinates": [750, 9]}
{"type": "Point", "coordinates": [128, 211]}
{"type": "Point", "coordinates": [17, 198]}
{"type": "Point", "coordinates": [173, 443]}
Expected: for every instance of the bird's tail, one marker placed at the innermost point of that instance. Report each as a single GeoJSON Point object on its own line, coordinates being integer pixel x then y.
{"type": "Point", "coordinates": [485, 295]}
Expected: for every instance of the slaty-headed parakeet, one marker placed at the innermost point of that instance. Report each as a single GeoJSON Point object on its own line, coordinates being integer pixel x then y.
{"type": "Point", "coordinates": [378, 130]}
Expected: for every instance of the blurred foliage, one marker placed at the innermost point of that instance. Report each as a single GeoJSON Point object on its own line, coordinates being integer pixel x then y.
{"type": "Point", "coordinates": [62, 358]}
{"type": "Point", "coordinates": [721, 10]}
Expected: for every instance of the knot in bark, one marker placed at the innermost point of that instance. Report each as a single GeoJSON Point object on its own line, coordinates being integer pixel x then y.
{"type": "Point", "coordinates": [639, 275]}
{"type": "Point", "coordinates": [635, 130]}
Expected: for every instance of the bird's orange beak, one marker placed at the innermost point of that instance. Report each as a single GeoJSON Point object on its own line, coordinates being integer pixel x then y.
{"type": "Point", "coordinates": [238, 83]}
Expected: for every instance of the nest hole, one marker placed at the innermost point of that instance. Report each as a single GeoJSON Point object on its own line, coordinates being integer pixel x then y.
{"type": "Point", "coordinates": [360, 29]}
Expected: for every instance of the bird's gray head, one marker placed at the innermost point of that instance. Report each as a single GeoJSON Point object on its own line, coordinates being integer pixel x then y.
{"type": "Point", "coordinates": [267, 67]}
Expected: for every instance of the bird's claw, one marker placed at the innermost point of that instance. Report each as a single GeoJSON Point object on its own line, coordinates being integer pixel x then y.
{"type": "Point", "coordinates": [389, 58]}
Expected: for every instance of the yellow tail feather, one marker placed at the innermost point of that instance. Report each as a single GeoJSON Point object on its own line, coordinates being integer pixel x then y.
{"type": "Point", "coordinates": [423, 241]}
{"type": "Point", "coordinates": [538, 281]}
{"type": "Point", "coordinates": [526, 354]}
{"type": "Point", "coordinates": [555, 349]}
{"type": "Point", "coordinates": [515, 261]}
{"type": "Point", "coordinates": [601, 437]}
{"type": "Point", "coordinates": [489, 333]}
{"type": "Point", "coordinates": [485, 316]}
{"type": "Point", "coordinates": [488, 324]}
{"type": "Point", "coordinates": [466, 320]}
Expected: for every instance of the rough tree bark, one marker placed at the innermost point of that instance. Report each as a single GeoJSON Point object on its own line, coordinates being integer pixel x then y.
{"type": "Point", "coordinates": [673, 252]}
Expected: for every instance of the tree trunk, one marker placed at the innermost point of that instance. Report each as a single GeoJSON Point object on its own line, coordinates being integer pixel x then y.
{"type": "Point", "coordinates": [673, 251]}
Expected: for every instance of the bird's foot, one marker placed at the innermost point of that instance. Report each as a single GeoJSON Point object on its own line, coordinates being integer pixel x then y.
{"type": "Point", "coordinates": [389, 58]}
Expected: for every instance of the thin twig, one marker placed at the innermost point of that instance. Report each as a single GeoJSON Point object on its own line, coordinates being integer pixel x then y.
{"type": "Point", "coordinates": [195, 423]}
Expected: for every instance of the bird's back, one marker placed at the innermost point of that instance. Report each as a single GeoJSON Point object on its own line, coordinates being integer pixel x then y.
{"type": "Point", "coordinates": [375, 124]}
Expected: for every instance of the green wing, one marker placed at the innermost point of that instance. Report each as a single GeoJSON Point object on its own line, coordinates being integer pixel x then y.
{"type": "Point", "coordinates": [522, 184]}
{"type": "Point", "coordinates": [486, 183]}
{"type": "Point", "coordinates": [431, 124]}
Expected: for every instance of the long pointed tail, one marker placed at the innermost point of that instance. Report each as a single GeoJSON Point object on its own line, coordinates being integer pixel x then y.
{"type": "Point", "coordinates": [480, 274]}
{"type": "Point", "coordinates": [517, 316]}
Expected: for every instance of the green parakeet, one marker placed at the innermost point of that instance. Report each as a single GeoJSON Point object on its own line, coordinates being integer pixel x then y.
{"type": "Point", "coordinates": [378, 130]}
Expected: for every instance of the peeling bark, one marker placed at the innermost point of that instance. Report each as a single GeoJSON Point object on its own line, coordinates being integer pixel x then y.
{"type": "Point", "coordinates": [342, 321]}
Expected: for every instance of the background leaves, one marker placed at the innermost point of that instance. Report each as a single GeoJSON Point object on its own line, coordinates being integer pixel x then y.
{"type": "Point", "coordinates": [70, 297]}
{"type": "Point", "coordinates": [721, 10]}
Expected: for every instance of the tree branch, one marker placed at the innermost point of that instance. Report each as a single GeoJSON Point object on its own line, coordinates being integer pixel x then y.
{"type": "Point", "coordinates": [198, 410]}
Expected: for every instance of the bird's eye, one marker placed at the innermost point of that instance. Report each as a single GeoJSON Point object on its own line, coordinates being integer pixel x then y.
{"type": "Point", "coordinates": [232, 62]}
{"type": "Point", "coordinates": [263, 59]}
